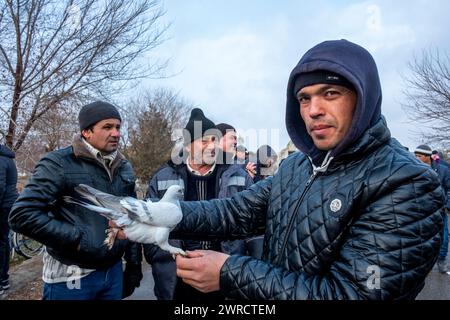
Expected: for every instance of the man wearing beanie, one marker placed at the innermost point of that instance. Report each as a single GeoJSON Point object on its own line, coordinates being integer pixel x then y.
{"type": "Point", "coordinates": [202, 178]}
{"type": "Point", "coordinates": [227, 154]}
{"type": "Point", "coordinates": [227, 149]}
{"type": "Point", "coordinates": [227, 143]}
{"type": "Point", "coordinates": [77, 264]}
{"type": "Point", "coordinates": [351, 216]}
{"type": "Point", "coordinates": [425, 154]}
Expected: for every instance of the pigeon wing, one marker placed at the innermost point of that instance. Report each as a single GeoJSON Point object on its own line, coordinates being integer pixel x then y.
{"type": "Point", "coordinates": [98, 197]}
{"type": "Point", "coordinates": [136, 209]}
{"type": "Point", "coordinates": [104, 199]}
{"type": "Point", "coordinates": [108, 213]}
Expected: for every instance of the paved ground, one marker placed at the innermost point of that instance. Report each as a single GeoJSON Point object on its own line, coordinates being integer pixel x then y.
{"type": "Point", "coordinates": [437, 287]}
{"type": "Point", "coordinates": [25, 281]}
{"type": "Point", "coordinates": [145, 291]}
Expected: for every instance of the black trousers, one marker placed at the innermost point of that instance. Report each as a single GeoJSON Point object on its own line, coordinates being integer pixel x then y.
{"type": "Point", "coordinates": [4, 244]}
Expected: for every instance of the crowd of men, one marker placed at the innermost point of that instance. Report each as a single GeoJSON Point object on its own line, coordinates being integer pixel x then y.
{"type": "Point", "coordinates": [352, 215]}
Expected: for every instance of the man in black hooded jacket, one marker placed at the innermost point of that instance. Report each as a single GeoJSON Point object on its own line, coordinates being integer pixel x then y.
{"type": "Point", "coordinates": [351, 216]}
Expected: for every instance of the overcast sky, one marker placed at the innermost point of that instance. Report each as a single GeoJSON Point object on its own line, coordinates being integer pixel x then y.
{"type": "Point", "coordinates": [233, 57]}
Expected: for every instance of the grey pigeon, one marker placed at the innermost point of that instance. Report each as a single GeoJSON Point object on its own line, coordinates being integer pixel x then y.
{"type": "Point", "coordinates": [142, 221]}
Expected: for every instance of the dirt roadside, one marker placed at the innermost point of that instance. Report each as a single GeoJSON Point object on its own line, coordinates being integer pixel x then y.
{"type": "Point", "coordinates": [25, 280]}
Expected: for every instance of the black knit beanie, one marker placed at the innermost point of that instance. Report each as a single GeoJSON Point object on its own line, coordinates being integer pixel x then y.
{"type": "Point", "coordinates": [96, 111]}
{"type": "Point", "coordinates": [196, 127]}
{"type": "Point", "coordinates": [322, 77]}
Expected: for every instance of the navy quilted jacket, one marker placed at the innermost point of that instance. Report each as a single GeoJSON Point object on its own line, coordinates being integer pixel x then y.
{"type": "Point", "coordinates": [364, 226]}
{"type": "Point", "coordinates": [8, 179]}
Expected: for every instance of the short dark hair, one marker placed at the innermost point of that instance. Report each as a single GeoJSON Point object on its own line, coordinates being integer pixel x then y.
{"type": "Point", "coordinates": [224, 128]}
{"type": "Point", "coordinates": [91, 127]}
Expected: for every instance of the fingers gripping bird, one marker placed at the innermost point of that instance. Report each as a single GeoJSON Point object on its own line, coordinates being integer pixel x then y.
{"type": "Point", "coordinates": [142, 221]}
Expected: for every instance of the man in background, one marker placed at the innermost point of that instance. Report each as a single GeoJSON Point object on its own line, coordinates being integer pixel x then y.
{"type": "Point", "coordinates": [77, 263]}
{"type": "Point", "coordinates": [8, 194]}
{"type": "Point", "coordinates": [202, 177]}
{"type": "Point", "coordinates": [425, 154]}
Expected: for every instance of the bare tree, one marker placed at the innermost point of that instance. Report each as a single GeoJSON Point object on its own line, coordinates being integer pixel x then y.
{"type": "Point", "coordinates": [57, 127]}
{"type": "Point", "coordinates": [149, 137]}
{"type": "Point", "coordinates": [428, 95]}
{"type": "Point", "coordinates": [54, 130]}
{"type": "Point", "coordinates": [28, 156]}
{"type": "Point", "coordinates": [54, 52]}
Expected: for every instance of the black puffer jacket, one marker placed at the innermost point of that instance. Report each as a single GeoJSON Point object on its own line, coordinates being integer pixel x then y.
{"type": "Point", "coordinates": [366, 225]}
{"type": "Point", "coordinates": [388, 224]}
{"type": "Point", "coordinates": [41, 213]}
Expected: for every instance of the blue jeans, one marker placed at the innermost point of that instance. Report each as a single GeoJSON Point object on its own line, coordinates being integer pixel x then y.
{"type": "Point", "coordinates": [101, 284]}
{"type": "Point", "coordinates": [444, 245]}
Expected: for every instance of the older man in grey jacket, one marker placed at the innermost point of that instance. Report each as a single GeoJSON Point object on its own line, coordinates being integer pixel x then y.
{"type": "Point", "coordinates": [202, 177]}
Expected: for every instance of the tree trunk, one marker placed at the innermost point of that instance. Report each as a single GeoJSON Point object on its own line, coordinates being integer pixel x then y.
{"type": "Point", "coordinates": [15, 106]}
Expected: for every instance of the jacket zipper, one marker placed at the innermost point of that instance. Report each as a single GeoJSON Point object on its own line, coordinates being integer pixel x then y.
{"type": "Point", "coordinates": [294, 215]}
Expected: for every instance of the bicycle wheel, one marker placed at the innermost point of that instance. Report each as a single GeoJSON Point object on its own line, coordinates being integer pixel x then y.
{"type": "Point", "coordinates": [12, 251]}
{"type": "Point", "coordinates": [26, 247]}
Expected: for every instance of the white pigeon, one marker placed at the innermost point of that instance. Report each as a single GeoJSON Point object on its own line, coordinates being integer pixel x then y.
{"type": "Point", "coordinates": [142, 221]}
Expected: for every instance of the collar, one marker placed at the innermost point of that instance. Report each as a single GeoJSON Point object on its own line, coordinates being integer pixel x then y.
{"type": "Point", "coordinates": [197, 173]}
{"type": "Point", "coordinates": [106, 159]}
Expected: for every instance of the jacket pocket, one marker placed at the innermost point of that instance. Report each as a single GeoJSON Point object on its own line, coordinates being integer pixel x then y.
{"type": "Point", "coordinates": [127, 184]}
{"type": "Point", "coordinates": [91, 246]}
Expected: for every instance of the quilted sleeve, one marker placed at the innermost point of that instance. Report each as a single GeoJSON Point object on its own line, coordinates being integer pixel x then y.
{"type": "Point", "coordinates": [388, 251]}
{"type": "Point", "coordinates": [241, 215]}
